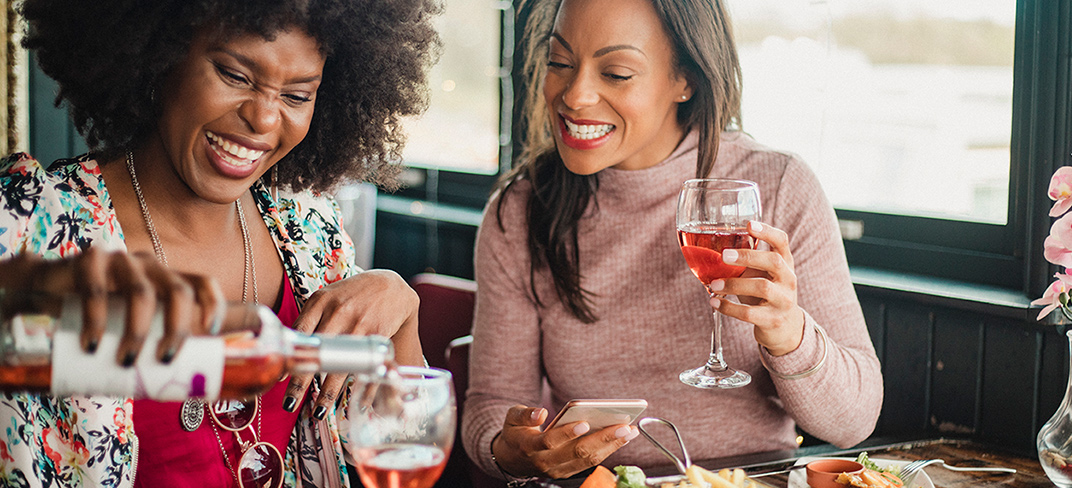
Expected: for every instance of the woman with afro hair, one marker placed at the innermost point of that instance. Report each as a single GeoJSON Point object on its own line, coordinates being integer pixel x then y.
{"type": "Point", "coordinates": [215, 127]}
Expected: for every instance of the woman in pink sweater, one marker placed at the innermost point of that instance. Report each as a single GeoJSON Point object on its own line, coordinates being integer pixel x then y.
{"type": "Point", "coordinates": [581, 281]}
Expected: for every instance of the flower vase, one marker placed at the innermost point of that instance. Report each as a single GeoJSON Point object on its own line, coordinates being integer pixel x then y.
{"type": "Point", "coordinates": [1054, 440]}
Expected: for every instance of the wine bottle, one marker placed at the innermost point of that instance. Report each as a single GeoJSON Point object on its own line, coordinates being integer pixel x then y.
{"type": "Point", "coordinates": [40, 352]}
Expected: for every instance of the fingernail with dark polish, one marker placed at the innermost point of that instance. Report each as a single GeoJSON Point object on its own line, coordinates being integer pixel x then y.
{"type": "Point", "coordinates": [320, 412]}
{"type": "Point", "coordinates": [91, 346]}
{"type": "Point", "coordinates": [128, 360]}
{"type": "Point", "coordinates": [168, 356]}
{"type": "Point", "coordinates": [289, 403]}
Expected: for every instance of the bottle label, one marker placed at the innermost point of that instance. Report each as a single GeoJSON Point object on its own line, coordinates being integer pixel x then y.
{"type": "Point", "coordinates": [196, 371]}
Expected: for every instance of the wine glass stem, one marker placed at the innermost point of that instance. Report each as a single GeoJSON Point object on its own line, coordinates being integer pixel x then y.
{"type": "Point", "coordinates": [715, 361]}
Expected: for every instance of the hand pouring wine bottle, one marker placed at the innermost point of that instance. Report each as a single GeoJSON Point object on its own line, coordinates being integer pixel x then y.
{"type": "Point", "coordinates": [40, 352]}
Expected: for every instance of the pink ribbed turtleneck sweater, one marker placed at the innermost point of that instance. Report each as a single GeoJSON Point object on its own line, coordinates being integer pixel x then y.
{"type": "Point", "coordinates": [655, 320]}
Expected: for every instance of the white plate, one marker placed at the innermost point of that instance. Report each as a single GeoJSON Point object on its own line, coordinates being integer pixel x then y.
{"type": "Point", "coordinates": [799, 478]}
{"type": "Point", "coordinates": [656, 482]}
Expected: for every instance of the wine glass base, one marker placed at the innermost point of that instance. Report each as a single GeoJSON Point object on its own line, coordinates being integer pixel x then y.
{"type": "Point", "coordinates": [705, 377]}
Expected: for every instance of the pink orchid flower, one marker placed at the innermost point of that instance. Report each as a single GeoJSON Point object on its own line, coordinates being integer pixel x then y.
{"type": "Point", "coordinates": [1052, 297]}
{"type": "Point", "coordinates": [1057, 248]}
{"type": "Point", "coordinates": [1061, 191]}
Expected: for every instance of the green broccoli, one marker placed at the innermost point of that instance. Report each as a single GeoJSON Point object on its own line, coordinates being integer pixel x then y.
{"type": "Point", "coordinates": [630, 477]}
{"type": "Point", "coordinates": [867, 462]}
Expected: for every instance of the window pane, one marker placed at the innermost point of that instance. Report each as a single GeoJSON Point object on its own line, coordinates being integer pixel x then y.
{"type": "Point", "coordinates": [460, 130]}
{"type": "Point", "coordinates": [900, 106]}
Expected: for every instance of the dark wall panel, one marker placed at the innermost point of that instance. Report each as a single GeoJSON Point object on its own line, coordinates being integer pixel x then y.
{"type": "Point", "coordinates": [875, 316]}
{"type": "Point", "coordinates": [1009, 384]}
{"type": "Point", "coordinates": [411, 245]}
{"type": "Point", "coordinates": [957, 368]}
{"type": "Point", "coordinates": [400, 245]}
{"type": "Point", "coordinates": [906, 369]}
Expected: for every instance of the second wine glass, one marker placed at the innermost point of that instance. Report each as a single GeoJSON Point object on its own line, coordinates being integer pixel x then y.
{"type": "Point", "coordinates": [402, 426]}
{"type": "Point", "coordinates": [712, 216]}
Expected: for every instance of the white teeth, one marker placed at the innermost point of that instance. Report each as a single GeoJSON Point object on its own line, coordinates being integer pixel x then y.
{"type": "Point", "coordinates": [578, 131]}
{"type": "Point", "coordinates": [233, 153]}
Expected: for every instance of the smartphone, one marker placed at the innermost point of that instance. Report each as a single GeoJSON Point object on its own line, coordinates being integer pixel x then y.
{"type": "Point", "coordinates": [600, 413]}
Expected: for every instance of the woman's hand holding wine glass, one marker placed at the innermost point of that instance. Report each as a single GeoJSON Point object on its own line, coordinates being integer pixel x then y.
{"type": "Point", "coordinates": [767, 291]}
{"type": "Point", "coordinates": [718, 227]}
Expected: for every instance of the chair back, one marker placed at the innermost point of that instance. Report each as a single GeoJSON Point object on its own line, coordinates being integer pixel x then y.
{"type": "Point", "coordinates": [445, 321]}
{"type": "Point", "coordinates": [457, 356]}
{"type": "Point", "coordinates": [446, 312]}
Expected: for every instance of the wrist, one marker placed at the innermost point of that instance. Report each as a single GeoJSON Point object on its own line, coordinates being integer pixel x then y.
{"type": "Point", "coordinates": [511, 479]}
{"type": "Point", "coordinates": [408, 348]}
{"type": "Point", "coordinates": [824, 344]}
{"type": "Point", "coordinates": [791, 343]}
{"type": "Point", "coordinates": [496, 460]}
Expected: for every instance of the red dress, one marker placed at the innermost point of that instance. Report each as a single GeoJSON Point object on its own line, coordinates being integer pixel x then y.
{"type": "Point", "coordinates": [170, 456]}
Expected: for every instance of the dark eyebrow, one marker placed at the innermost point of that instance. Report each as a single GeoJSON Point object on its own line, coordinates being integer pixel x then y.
{"type": "Point", "coordinates": [249, 62]}
{"type": "Point", "coordinates": [562, 41]}
{"type": "Point", "coordinates": [618, 47]}
{"type": "Point", "coordinates": [602, 51]}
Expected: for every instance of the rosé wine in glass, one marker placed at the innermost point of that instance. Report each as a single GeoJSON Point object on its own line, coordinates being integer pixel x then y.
{"type": "Point", "coordinates": [702, 247]}
{"type": "Point", "coordinates": [402, 466]}
{"type": "Point", "coordinates": [712, 216]}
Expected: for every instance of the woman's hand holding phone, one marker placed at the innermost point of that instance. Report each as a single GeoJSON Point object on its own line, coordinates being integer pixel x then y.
{"type": "Point", "coordinates": [563, 449]}
{"type": "Point", "coordinates": [600, 413]}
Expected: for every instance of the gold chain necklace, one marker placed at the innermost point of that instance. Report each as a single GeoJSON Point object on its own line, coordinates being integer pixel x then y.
{"type": "Point", "coordinates": [193, 409]}
{"type": "Point", "coordinates": [250, 269]}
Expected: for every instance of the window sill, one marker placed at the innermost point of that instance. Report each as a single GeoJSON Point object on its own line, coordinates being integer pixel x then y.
{"type": "Point", "coordinates": [973, 297]}
{"type": "Point", "coordinates": [424, 209]}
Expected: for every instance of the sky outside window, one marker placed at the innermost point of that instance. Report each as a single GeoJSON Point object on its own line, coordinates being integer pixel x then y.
{"type": "Point", "coordinates": [899, 106]}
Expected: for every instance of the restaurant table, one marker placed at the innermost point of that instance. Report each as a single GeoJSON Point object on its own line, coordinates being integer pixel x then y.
{"type": "Point", "coordinates": [955, 452]}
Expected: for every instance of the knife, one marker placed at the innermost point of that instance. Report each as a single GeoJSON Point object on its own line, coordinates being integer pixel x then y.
{"type": "Point", "coordinates": [780, 471]}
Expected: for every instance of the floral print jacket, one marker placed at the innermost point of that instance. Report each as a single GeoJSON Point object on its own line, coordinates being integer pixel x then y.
{"type": "Point", "coordinates": [59, 211]}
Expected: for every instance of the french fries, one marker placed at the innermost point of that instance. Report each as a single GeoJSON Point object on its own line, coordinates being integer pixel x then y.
{"type": "Point", "coordinates": [699, 477]}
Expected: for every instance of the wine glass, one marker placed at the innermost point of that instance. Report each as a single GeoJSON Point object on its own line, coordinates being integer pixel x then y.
{"type": "Point", "coordinates": [402, 426]}
{"type": "Point", "coordinates": [713, 215]}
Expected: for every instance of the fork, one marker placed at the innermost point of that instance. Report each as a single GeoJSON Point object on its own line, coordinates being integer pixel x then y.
{"type": "Point", "coordinates": [682, 465]}
{"type": "Point", "coordinates": [909, 471]}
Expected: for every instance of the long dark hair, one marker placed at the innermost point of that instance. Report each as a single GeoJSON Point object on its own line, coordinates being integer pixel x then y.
{"type": "Point", "coordinates": [704, 53]}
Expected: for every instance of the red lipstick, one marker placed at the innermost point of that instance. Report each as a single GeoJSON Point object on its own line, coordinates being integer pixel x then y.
{"type": "Point", "coordinates": [582, 144]}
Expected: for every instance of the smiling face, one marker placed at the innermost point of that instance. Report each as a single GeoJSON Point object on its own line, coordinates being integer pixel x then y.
{"type": "Point", "coordinates": [611, 86]}
{"type": "Point", "coordinates": [234, 108]}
